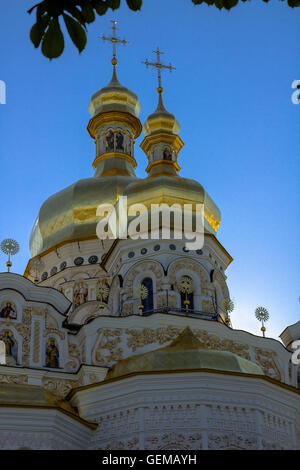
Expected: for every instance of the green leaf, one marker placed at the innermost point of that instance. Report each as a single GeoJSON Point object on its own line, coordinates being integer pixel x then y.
{"type": "Point", "coordinates": [197, 2]}
{"type": "Point", "coordinates": [134, 5]}
{"type": "Point", "coordinates": [53, 41]}
{"type": "Point", "coordinates": [219, 4]}
{"type": "Point", "coordinates": [76, 13]}
{"type": "Point", "coordinates": [41, 9]}
{"type": "Point", "coordinates": [76, 32]}
{"type": "Point", "coordinates": [228, 4]}
{"type": "Point", "coordinates": [38, 29]}
{"type": "Point", "coordinates": [113, 4]}
{"type": "Point", "coordinates": [100, 7]}
{"type": "Point", "coordinates": [88, 13]}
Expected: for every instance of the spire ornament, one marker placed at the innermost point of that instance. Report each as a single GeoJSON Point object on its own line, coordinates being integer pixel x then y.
{"type": "Point", "coordinates": [37, 265]}
{"type": "Point", "coordinates": [141, 292]}
{"type": "Point", "coordinates": [114, 40]}
{"type": "Point", "coordinates": [228, 307]}
{"type": "Point", "coordinates": [186, 286]}
{"type": "Point", "coordinates": [262, 315]}
{"type": "Point", "coordinates": [10, 247]}
{"type": "Point", "coordinates": [102, 292]}
{"type": "Point", "coordinates": [159, 66]}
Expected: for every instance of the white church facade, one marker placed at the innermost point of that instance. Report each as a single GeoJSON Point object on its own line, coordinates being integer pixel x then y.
{"type": "Point", "coordinates": [88, 363]}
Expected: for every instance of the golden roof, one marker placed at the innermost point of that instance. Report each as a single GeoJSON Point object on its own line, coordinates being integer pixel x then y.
{"type": "Point", "coordinates": [70, 214]}
{"type": "Point", "coordinates": [173, 189]}
{"type": "Point", "coordinates": [184, 353]}
{"type": "Point", "coordinates": [114, 97]}
{"type": "Point", "coordinates": [161, 120]}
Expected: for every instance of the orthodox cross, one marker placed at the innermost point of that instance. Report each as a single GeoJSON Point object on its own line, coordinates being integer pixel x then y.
{"type": "Point", "coordinates": [114, 40]}
{"type": "Point", "coordinates": [159, 66]}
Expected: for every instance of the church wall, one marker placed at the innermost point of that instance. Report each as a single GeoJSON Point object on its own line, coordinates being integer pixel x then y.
{"type": "Point", "coordinates": [41, 429]}
{"type": "Point", "coordinates": [111, 339]}
{"type": "Point", "coordinates": [190, 411]}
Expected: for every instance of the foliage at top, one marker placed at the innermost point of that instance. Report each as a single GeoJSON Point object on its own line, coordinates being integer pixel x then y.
{"type": "Point", "coordinates": [77, 14]}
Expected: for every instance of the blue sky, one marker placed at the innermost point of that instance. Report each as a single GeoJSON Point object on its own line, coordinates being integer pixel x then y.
{"type": "Point", "coordinates": [231, 93]}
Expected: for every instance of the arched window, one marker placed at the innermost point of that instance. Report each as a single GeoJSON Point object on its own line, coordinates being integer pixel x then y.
{"type": "Point", "coordinates": [148, 301]}
{"type": "Point", "coordinates": [190, 297]}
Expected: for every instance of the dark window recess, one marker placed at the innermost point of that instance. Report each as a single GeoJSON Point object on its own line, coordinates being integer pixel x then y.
{"type": "Point", "coordinates": [148, 302]}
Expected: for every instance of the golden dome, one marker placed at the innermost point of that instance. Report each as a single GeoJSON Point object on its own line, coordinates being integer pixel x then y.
{"type": "Point", "coordinates": [114, 97]}
{"type": "Point", "coordinates": [183, 354]}
{"type": "Point", "coordinates": [70, 214]}
{"type": "Point", "coordinates": [161, 120]}
{"type": "Point", "coordinates": [163, 184]}
{"type": "Point", "coordinates": [169, 189]}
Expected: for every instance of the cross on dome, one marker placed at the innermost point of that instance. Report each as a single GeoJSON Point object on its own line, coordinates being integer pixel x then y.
{"type": "Point", "coordinates": [159, 66]}
{"type": "Point", "coordinates": [114, 40]}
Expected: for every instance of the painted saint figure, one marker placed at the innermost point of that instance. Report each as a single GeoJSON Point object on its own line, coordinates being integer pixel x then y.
{"type": "Point", "coordinates": [119, 141]}
{"type": "Point", "coordinates": [80, 294]}
{"type": "Point", "coordinates": [110, 141]}
{"type": "Point", "coordinates": [11, 347]}
{"type": "Point", "coordinates": [167, 154]}
{"type": "Point", "coordinates": [52, 354]}
{"type": "Point", "coordinates": [8, 311]}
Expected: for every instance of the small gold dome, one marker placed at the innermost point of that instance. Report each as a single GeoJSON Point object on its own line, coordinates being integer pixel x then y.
{"type": "Point", "coordinates": [161, 120]}
{"type": "Point", "coordinates": [114, 97]}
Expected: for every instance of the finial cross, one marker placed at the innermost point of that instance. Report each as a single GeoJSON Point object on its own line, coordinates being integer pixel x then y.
{"type": "Point", "coordinates": [114, 40]}
{"type": "Point", "coordinates": [159, 66]}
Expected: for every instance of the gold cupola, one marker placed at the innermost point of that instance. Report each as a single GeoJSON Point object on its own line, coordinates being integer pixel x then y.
{"type": "Point", "coordinates": [162, 142]}
{"type": "Point", "coordinates": [70, 214]}
{"type": "Point", "coordinates": [114, 126]}
{"type": "Point", "coordinates": [162, 145]}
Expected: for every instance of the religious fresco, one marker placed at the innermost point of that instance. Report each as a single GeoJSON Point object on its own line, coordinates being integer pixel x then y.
{"type": "Point", "coordinates": [52, 354]}
{"type": "Point", "coordinates": [167, 154]}
{"type": "Point", "coordinates": [114, 141]}
{"type": "Point", "coordinates": [11, 347]}
{"type": "Point", "coordinates": [119, 141]}
{"type": "Point", "coordinates": [80, 294]}
{"type": "Point", "coordinates": [110, 138]}
{"type": "Point", "coordinates": [8, 310]}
